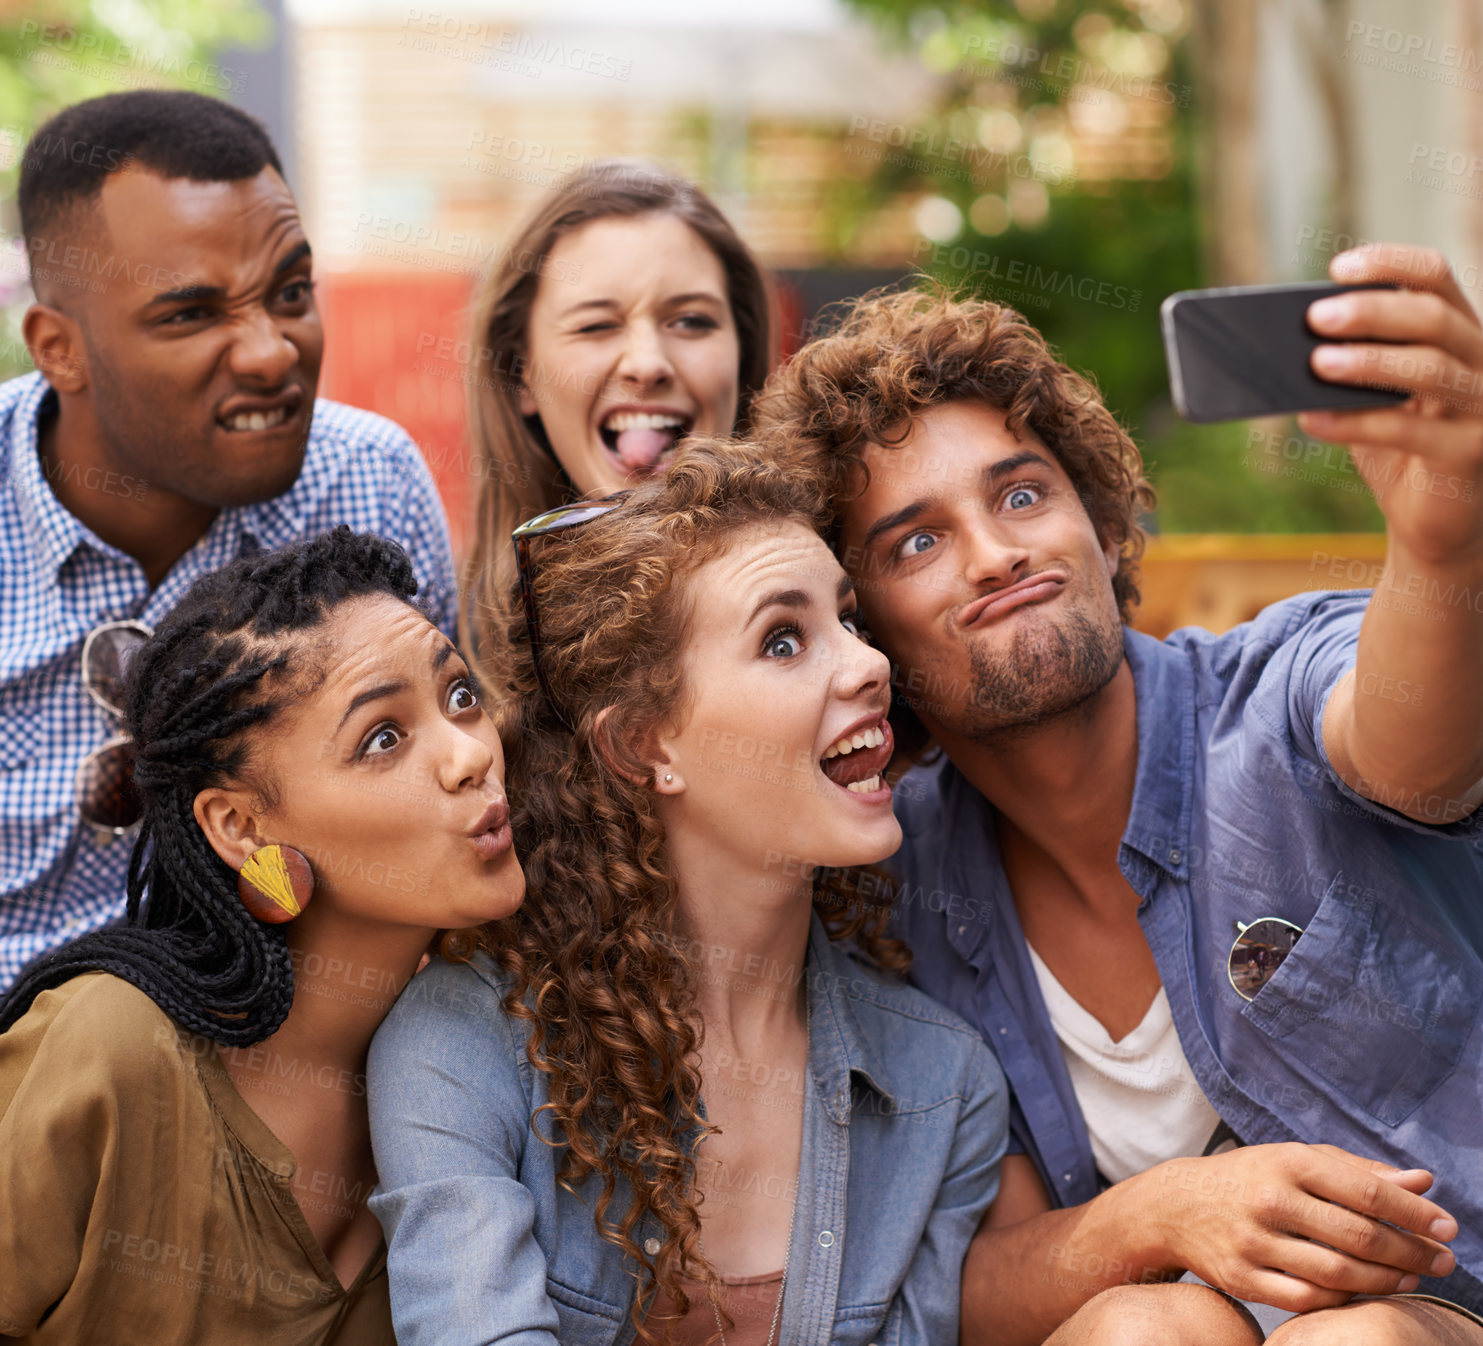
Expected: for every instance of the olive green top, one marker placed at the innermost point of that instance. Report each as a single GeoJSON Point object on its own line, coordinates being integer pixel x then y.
{"type": "Point", "coordinates": [142, 1199]}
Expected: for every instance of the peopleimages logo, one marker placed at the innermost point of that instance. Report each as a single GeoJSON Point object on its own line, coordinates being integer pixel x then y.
{"type": "Point", "coordinates": [62, 45]}
{"type": "Point", "coordinates": [921, 147]}
{"type": "Point", "coordinates": [493, 44]}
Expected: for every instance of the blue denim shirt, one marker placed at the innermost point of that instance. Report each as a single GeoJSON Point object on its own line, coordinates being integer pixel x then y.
{"type": "Point", "coordinates": [904, 1125]}
{"type": "Point", "coordinates": [1366, 1037]}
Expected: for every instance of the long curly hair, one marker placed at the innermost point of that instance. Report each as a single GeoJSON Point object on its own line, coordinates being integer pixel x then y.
{"type": "Point", "coordinates": [602, 972]}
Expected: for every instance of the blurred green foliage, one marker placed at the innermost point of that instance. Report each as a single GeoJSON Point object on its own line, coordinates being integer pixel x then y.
{"type": "Point", "coordinates": [57, 52]}
{"type": "Point", "coordinates": [1087, 259]}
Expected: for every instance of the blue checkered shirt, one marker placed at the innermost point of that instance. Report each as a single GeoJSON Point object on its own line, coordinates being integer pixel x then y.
{"type": "Point", "coordinates": [58, 581]}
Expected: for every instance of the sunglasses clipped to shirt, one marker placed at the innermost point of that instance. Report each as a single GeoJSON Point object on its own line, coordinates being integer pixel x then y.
{"type": "Point", "coordinates": [1259, 950]}
{"type": "Point", "coordinates": [104, 785]}
{"type": "Point", "coordinates": [552, 521]}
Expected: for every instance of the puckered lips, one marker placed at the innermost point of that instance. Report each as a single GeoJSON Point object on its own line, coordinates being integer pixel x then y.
{"type": "Point", "coordinates": [491, 833]}
{"type": "Point", "coordinates": [856, 761]}
{"type": "Point", "coordinates": [1034, 588]}
{"type": "Point", "coordinates": [254, 415]}
{"type": "Point", "coordinates": [639, 438]}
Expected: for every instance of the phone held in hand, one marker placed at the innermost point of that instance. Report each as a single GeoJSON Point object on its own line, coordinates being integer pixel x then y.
{"type": "Point", "coordinates": [1243, 351]}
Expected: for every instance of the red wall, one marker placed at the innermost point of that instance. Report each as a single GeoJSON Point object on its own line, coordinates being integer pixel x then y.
{"type": "Point", "coordinates": [383, 338]}
{"type": "Point", "coordinates": [398, 344]}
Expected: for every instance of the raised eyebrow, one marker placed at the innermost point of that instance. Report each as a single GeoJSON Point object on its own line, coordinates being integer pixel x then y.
{"type": "Point", "coordinates": [365, 698]}
{"type": "Point", "coordinates": [894, 520]}
{"type": "Point", "coordinates": [992, 476]}
{"type": "Point", "coordinates": [783, 598]}
{"type": "Point", "coordinates": [996, 472]}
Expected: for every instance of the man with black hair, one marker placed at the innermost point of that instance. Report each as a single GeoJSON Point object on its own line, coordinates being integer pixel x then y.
{"type": "Point", "coordinates": [172, 426]}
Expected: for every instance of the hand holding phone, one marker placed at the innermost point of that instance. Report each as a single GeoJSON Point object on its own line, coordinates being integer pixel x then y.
{"type": "Point", "coordinates": [1244, 351]}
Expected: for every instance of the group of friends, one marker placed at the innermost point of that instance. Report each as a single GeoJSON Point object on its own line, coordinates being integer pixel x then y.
{"type": "Point", "coordinates": [772, 895]}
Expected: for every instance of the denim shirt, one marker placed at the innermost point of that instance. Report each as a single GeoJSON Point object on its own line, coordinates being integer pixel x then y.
{"type": "Point", "coordinates": [1366, 1037]}
{"type": "Point", "coordinates": [904, 1125]}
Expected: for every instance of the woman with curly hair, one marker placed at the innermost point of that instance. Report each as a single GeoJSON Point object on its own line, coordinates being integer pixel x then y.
{"type": "Point", "coordinates": [184, 1148]}
{"type": "Point", "coordinates": [681, 1096]}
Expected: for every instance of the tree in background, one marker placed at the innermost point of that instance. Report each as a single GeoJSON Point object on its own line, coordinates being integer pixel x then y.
{"type": "Point", "coordinates": [57, 52]}
{"type": "Point", "coordinates": [1083, 162]}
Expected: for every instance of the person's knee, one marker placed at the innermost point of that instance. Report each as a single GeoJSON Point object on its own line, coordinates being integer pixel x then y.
{"type": "Point", "coordinates": [1379, 1322]}
{"type": "Point", "coordinates": [1158, 1315]}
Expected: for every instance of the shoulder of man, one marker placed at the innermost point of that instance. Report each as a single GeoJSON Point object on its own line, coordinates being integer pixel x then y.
{"type": "Point", "coordinates": [344, 437]}
{"type": "Point", "coordinates": [366, 471]}
{"type": "Point", "coordinates": [12, 393]}
{"type": "Point", "coordinates": [1281, 624]}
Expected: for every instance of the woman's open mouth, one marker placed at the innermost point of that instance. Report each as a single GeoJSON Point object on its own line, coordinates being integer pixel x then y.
{"type": "Point", "coordinates": [857, 762]}
{"type": "Point", "coordinates": [638, 440]}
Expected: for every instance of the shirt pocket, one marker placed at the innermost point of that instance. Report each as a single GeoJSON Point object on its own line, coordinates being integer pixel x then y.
{"type": "Point", "coordinates": [583, 1320]}
{"type": "Point", "coordinates": [1366, 1000]}
{"type": "Point", "coordinates": [863, 1325]}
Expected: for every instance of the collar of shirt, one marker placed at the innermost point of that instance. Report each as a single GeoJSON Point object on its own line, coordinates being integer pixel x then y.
{"type": "Point", "coordinates": [1164, 782]}
{"type": "Point", "coordinates": [843, 1050]}
{"type": "Point", "coordinates": [1158, 827]}
{"type": "Point", "coordinates": [53, 533]}
{"type": "Point", "coordinates": [986, 931]}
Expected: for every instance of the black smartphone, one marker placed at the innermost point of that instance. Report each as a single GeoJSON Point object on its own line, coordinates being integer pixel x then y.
{"type": "Point", "coordinates": [1243, 351]}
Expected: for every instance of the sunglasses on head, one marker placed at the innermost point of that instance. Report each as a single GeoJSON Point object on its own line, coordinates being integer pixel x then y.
{"type": "Point", "coordinates": [104, 784]}
{"type": "Point", "coordinates": [552, 521]}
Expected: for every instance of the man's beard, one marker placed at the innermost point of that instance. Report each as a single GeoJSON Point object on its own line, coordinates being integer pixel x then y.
{"type": "Point", "coordinates": [1047, 671]}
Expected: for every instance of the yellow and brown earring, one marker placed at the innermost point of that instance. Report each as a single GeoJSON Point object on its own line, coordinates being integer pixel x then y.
{"type": "Point", "coordinates": [275, 884]}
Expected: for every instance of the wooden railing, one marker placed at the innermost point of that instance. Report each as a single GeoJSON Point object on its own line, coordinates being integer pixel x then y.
{"type": "Point", "coordinates": [1217, 580]}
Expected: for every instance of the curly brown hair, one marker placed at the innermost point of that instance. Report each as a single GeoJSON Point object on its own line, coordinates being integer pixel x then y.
{"type": "Point", "coordinates": [602, 972]}
{"type": "Point", "coordinates": [893, 355]}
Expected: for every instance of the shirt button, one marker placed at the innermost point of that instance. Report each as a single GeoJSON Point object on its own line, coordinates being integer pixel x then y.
{"type": "Point", "coordinates": [826, 1239]}
{"type": "Point", "coordinates": [1004, 1032]}
{"type": "Point", "coordinates": [962, 928]}
{"type": "Point", "coordinates": [651, 1246]}
{"type": "Point", "coordinates": [1175, 856]}
{"type": "Point", "coordinates": [1065, 1177]}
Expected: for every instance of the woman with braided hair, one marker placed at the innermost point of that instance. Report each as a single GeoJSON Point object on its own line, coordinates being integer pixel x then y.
{"type": "Point", "coordinates": [679, 1096]}
{"type": "Point", "coordinates": [184, 1144]}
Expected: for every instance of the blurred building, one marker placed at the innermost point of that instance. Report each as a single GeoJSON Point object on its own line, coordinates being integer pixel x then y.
{"type": "Point", "coordinates": [425, 136]}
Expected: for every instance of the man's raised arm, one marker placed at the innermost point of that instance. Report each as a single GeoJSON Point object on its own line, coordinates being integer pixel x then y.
{"type": "Point", "coordinates": [1405, 727]}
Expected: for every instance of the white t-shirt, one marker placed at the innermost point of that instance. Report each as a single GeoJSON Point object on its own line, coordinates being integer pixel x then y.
{"type": "Point", "coordinates": [1139, 1097]}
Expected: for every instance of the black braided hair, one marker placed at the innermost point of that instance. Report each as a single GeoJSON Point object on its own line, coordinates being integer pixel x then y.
{"type": "Point", "coordinates": [216, 671]}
